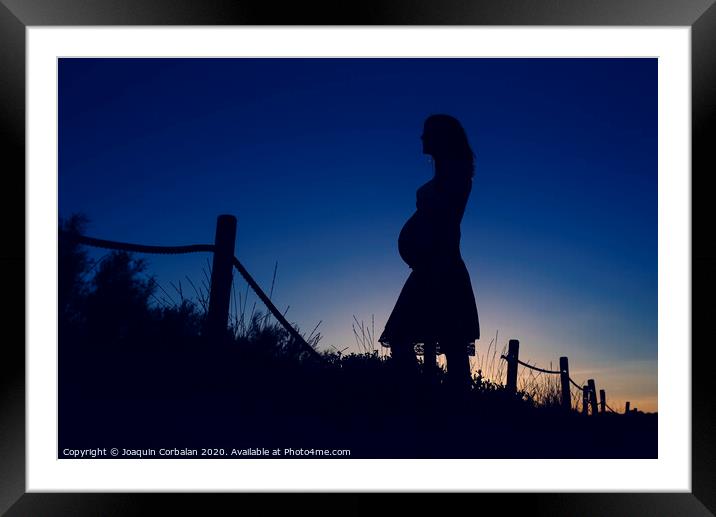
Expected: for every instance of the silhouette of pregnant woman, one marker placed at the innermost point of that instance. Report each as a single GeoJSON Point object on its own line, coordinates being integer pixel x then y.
{"type": "Point", "coordinates": [437, 304]}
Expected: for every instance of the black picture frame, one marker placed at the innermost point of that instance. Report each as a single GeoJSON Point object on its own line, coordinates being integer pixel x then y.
{"type": "Point", "coordinates": [17, 15]}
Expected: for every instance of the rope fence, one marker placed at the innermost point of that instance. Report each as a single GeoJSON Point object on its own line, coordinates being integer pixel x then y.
{"type": "Point", "coordinates": [223, 250]}
{"type": "Point", "coordinates": [582, 399]}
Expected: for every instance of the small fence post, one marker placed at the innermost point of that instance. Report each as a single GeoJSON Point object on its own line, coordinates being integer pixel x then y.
{"type": "Point", "coordinates": [585, 400]}
{"type": "Point", "coordinates": [626, 408]}
{"type": "Point", "coordinates": [513, 353]}
{"type": "Point", "coordinates": [602, 401]}
{"type": "Point", "coordinates": [592, 395]}
{"type": "Point", "coordinates": [221, 277]}
{"type": "Point", "coordinates": [564, 377]}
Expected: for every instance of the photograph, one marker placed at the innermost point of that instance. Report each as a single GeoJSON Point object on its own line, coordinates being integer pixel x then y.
{"type": "Point", "coordinates": [357, 258]}
{"type": "Point", "coordinates": [437, 248]}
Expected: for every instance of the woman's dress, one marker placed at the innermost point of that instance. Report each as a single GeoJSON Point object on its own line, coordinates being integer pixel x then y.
{"type": "Point", "coordinates": [436, 304]}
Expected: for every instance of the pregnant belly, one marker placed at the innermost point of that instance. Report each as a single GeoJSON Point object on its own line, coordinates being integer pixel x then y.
{"type": "Point", "coordinates": [420, 243]}
{"type": "Point", "coordinates": [414, 242]}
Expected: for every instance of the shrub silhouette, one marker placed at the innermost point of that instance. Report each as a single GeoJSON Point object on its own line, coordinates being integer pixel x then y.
{"type": "Point", "coordinates": [117, 304]}
{"type": "Point", "coordinates": [73, 264]}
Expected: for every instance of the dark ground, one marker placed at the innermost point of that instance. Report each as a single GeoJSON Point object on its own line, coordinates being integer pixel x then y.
{"type": "Point", "coordinates": [240, 400]}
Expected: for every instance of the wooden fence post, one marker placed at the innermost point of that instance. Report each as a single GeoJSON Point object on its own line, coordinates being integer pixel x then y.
{"type": "Point", "coordinates": [585, 400]}
{"type": "Point", "coordinates": [626, 408]}
{"type": "Point", "coordinates": [221, 276]}
{"type": "Point", "coordinates": [592, 395]}
{"type": "Point", "coordinates": [602, 401]}
{"type": "Point", "coordinates": [564, 377]}
{"type": "Point", "coordinates": [513, 353]}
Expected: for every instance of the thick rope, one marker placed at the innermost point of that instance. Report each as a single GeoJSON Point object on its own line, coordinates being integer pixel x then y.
{"type": "Point", "coordinates": [576, 385]}
{"type": "Point", "coordinates": [526, 365]}
{"type": "Point", "coordinates": [271, 307]}
{"type": "Point", "coordinates": [139, 248]}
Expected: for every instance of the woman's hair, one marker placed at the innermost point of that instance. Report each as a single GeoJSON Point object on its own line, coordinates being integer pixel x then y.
{"type": "Point", "coordinates": [448, 144]}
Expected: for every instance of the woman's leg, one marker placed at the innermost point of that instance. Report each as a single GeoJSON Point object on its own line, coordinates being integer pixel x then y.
{"type": "Point", "coordinates": [403, 355]}
{"type": "Point", "coordinates": [405, 368]}
{"type": "Point", "coordinates": [430, 366]}
{"type": "Point", "coordinates": [458, 366]}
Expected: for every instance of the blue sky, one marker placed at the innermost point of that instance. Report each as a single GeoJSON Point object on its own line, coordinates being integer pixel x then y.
{"type": "Point", "coordinates": [319, 159]}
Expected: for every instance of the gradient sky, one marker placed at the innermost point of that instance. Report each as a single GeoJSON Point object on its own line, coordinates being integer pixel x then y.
{"type": "Point", "coordinates": [320, 159]}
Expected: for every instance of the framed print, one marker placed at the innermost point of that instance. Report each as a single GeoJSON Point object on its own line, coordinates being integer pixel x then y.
{"type": "Point", "coordinates": [435, 249]}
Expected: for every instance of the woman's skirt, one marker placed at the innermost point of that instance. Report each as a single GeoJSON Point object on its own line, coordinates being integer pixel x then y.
{"type": "Point", "coordinates": [436, 305]}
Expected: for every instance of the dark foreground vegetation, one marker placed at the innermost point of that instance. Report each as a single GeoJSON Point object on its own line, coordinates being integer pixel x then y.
{"type": "Point", "coordinates": [137, 374]}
